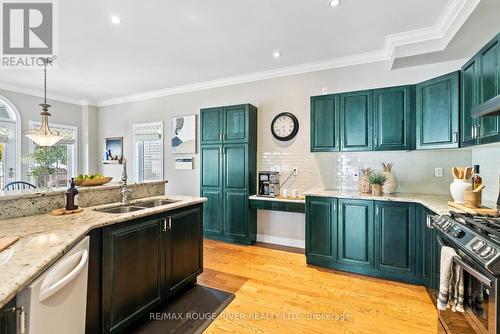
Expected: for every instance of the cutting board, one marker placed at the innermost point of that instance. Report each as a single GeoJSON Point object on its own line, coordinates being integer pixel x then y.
{"type": "Point", "coordinates": [475, 211]}
{"type": "Point", "coordinates": [6, 242]}
{"type": "Point", "coordinates": [63, 212]}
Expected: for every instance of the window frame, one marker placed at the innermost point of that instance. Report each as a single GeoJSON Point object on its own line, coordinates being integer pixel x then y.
{"type": "Point", "coordinates": [15, 118]}
{"type": "Point", "coordinates": [73, 151]}
{"type": "Point", "coordinates": [137, 177]}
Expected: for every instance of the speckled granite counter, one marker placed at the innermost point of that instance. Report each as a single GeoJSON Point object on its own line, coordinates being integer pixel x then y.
{"type": "Point", "coordinates": [436, 203]}
{"type": "Point", "coordinates": [45, 238]}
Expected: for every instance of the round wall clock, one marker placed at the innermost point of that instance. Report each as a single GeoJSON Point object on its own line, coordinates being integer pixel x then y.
{"type": "Point", "coordinates": [285, 126]}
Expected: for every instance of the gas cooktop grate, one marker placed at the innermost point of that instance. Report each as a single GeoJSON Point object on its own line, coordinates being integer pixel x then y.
{"type": "Point", "coordinates": [488, 225]}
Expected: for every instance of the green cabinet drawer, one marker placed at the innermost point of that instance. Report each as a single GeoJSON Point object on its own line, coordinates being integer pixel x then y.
{"type": "Point", "coordinates": [437, 111]}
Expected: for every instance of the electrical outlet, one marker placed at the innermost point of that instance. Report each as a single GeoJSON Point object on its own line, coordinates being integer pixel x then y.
{"type": "Point", "coordinates": [355, 174]}
{"type": "Point", "coordinates": [324, 90]}
{"type": "Point", "coordinates": [295, 171]}
{"type": "Point", "coordinates": [438, 172]}
{"type": "Point", "coordinates": [277, 169]}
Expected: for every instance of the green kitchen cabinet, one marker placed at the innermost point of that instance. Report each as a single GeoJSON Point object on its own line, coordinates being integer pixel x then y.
{"type": "Point", "coordinates": [488, 60]}
{"type": "Point", "coordinates": [356, 117]}
{"type": "Point", "coordinates": [212, 188]}
{"type": "Point", "coordinates": [437, 112]}
{"type": "Point", "coordinates": [325, 133]}
{"type": "Point", "coordinates": [184, 247]}
{"type": "Point", "coordinates": [396, 253]}
{"type": "Point", "coordinates": [430, 250]}
{"type": "Point", "coordinates": [133, 256]}
{"type": "Point", "coordinates": [228, 176]}
{"type": "Point", "coordinates": [392, 118]}
{"type": "Point", "coordinates": [468, 100]}
{"type": "Point", "coordinates": [355, 235]}
{"type": "Point", "coordinates": [321, 230]}
{"type": "Point", "coordinates": [8, 318]}
{"type": "Point", "coordinates": [213, 119]}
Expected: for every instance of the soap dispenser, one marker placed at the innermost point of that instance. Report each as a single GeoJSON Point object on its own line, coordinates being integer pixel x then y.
{"type": "Point", "coordinates": [72, 196]}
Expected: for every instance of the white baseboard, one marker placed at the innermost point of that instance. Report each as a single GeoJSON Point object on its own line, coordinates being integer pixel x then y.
{"type": "Point", "coordinates": [270, 239]}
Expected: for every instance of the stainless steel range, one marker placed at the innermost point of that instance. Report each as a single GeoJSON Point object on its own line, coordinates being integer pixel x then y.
{"type": "Point", "coordinates": [477, 240]}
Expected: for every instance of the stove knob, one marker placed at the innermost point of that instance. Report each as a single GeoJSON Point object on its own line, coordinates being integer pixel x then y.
{"type": "Point", "coordinates": [459, 234]}
{"type": "Point", "coordinates": [477, 245]}
{"type": "Point", "coordinates": [486, 251]}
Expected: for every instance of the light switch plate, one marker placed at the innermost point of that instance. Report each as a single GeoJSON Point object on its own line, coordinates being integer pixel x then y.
{"type": "Point", "coordinates": [438, 172]}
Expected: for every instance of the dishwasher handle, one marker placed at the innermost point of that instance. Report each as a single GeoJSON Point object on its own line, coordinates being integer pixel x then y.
{"type": "Point", "coordinates": [49, 288]}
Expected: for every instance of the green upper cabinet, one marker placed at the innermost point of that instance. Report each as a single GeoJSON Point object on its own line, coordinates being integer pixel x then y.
{"type": "Point", "coordinates": [395, 236]}
{"type": "Point", "coordinates": [468, 100]}
{"type": "Point", "coordinates": [437, 111]}
{"type": "Point", "coordinates": [321, 229]}
{"type": "Point", "coordinates": [235, 127]}
{"type": "Point", "coordinates": [213, 124]}
{"type": "Point", "coordinates": [225, 124]}
{"type": "Point", "coordinates": [488, 86]}
{"type": "Point", "coordinates": [392, 124]}
{"type": "Point", "coordinates": [355, 234]}
{"type": "Point", "coordinates": [325, 123]}
{"type": "Point", "coordinates": [356, 114]}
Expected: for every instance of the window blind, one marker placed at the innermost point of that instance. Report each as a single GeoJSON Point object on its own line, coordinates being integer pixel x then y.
{"type": "Point", "coordinates": [4, 135]}
{"type": "Point", "coordinates": [149, 143]}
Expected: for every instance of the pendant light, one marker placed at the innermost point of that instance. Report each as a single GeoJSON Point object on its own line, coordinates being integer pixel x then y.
{"type": "Point", "coordinates": [44, 135]}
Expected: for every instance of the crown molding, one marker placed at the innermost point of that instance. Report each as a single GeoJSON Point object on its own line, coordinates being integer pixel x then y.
{"type": "Point", "coordinates": [39, 93]}
{"type": "Point", "coordinates": [409, 43]}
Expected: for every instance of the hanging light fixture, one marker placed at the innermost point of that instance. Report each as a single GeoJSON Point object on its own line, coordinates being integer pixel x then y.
{"type": "Point", "coordinates": [44, 135]}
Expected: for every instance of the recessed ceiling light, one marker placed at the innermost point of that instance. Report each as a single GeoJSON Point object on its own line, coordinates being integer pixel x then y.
{"type": "Point", "coordinates": [276, 54]}
{"type": "Point", "coordinates": [116, 20]}
{"type": "Point", "coordinates": [334, 3]}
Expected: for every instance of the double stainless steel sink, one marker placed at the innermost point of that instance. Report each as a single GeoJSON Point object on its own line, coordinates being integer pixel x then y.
{"type": "Point", "coordinates": [137, 206]}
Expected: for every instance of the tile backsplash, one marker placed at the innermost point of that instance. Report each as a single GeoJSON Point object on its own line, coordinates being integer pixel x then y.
{"type": "Point", "coordinates": [331, 170]}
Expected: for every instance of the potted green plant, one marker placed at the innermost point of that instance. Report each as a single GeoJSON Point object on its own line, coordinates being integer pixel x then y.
{"type": "Point", "coordinates": [377, 181]}
{"type": "Point", "coordinates": [44, 162]}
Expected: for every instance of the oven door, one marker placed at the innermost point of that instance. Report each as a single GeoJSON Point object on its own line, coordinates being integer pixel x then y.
{"type": "Point", "coordinates": [479, 296]}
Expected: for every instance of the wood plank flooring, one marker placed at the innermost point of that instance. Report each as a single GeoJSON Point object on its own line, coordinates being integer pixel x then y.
{"type": "Point", "coordinates": [276, 292]}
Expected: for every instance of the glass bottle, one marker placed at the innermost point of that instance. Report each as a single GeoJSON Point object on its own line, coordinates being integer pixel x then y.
{"type": "Point", "coordinates": [476, 178]}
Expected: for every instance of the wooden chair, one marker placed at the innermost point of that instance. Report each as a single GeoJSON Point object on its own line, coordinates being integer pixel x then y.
{"type": "Point", "coordinates": [18, 185]}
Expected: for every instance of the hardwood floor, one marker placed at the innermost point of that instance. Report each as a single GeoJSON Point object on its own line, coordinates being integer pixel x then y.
{"type": "Point", "coordinates": [276, 292]}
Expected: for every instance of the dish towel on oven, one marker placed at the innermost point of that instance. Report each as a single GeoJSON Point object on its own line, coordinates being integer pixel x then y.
{"type": "Point", "coordinates": [451, 283]}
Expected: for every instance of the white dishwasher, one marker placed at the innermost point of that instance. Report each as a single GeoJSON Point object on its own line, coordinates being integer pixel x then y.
{"type": "Point", "coordinates": [55, 303]}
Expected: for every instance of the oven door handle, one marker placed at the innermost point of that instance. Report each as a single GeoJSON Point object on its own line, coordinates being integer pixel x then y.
{"type": "Point", "coordinates": [473, 272]}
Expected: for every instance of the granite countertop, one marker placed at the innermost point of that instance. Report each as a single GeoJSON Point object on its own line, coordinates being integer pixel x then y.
{"type": "Point", "coordinates": [277, 199]}
{"type": "Point", "coordinates": [45, 238]}
{"type": "Point", "coordinates": [9, 195]}
{"type": "Point", "coordinates": [436, 203]}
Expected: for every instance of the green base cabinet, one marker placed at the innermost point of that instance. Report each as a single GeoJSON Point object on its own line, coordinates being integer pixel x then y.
{"type": "Point", "coordinates": [133, 256]}
{"type": "Point", "coordinates": [430, 250]}
{"type": "Point", "coordinates": [8, 318]}
{"type": "Point", "coordinates": [396, 241]}
{"type": "Point", "coordinates": [229, 172]}
{"type": "Point", "coordinates": [437, 112]}
{"type": "Point", "coordinates": [145, 262]}
{"type": "Point", "coordinates": [375, 238]}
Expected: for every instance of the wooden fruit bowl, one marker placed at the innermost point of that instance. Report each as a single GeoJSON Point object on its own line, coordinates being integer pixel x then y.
{"type": "Point", "coordinates": [93, 183]}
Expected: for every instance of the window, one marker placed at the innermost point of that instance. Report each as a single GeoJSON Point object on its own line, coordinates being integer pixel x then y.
{"type": "Point", "coordinates": [10, 143]}
{"type": "Point", "coordinates": [148, 152]}
{"type": "Point", "coordinates": [62, 156]}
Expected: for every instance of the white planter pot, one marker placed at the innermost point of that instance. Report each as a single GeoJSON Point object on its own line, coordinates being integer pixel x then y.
{"type": "Point", "coordinates": [391, 183]}
{"type": "Point", "coordinates": [458, 188]}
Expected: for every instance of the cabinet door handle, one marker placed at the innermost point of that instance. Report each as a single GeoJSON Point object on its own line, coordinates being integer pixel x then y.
{"type": "Point", "coordinates": [478, 131]}
{"type": "Point", "coordinates": [428, 221]}
{"type": "Point", "coordinates": [455, 137]}
{"type": "Point", "coordinates": [472, 132]}
{"type": "Point", "coordinates": [376, 141]}
{"type": "Point", "coordinates": [220, 136]}
{"type": "Point", "coordinates": [164, 224]}
{"type": "Point", "coordinates": [169, 223]}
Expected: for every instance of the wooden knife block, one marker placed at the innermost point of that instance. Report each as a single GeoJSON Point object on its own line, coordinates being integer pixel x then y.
{"type": "Point", "coordinates": [473, 199]}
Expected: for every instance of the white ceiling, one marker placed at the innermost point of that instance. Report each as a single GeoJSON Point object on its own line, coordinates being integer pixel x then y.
{"type": "Point", "coordinates": [165, 44]}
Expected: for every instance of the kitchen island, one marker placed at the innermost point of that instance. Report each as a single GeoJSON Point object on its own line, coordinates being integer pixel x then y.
{"type": "Point", "coordinates": [44, 238]}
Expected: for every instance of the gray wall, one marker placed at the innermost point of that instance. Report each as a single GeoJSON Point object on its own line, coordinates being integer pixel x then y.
{"type": "Point", "coordinates": [271, 96]}
{"type": "Point", "coordinates": [62, 113]}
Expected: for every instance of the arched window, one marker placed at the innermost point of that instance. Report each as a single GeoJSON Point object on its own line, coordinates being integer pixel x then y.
{"type": "Point", "coordinates": [10, 142]}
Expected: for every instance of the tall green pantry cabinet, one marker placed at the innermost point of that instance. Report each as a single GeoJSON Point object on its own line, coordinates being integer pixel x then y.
{"type": "Point", "coordinates": [229, 172]}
